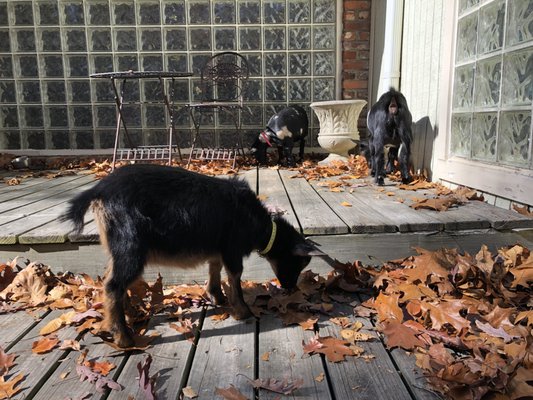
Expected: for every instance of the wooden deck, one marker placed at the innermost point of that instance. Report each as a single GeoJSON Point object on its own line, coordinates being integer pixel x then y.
{"type": "Point", "coordinates": [374, 229]}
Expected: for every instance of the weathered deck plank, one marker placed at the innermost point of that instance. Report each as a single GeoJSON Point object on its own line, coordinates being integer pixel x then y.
{"type": "Point", "coordinates": [15, 325]}
{"type": "Point", "coordinates": [314, 215]}
{"type": "Point", "coordinates": [499, 218]}
{"type": "Point", "coordinates": [281, 357]}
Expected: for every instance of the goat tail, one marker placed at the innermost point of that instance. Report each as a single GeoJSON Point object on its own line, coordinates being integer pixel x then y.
{"type": "Point", "coordinates": [77, 208]}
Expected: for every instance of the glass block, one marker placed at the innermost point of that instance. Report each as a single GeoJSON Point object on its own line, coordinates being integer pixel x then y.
{"type": "Point", "coordinates": [79, 91]}
{"type": "Point", "coordinates": [515, 138]}
{"type": "Point", "coordinates": [250, 38]}
{"type": "Point", "coordinates": [131, 90]}
{"type": "Point", "coordinates": [323, 89]}
{"type": "Point", "coordinates": [60, 139]}
{"type": "Point", "coordinates": [275, 64]}
{"type": "Point", "coordinates": [150, 39]}
{"type": "Point", "coordinates": [82, 116]}
{"type": "Point", "coordinates": [274, 39]}
{"type": "Point", "coordinates": [8, 94]}
{"type": "Point", "coordinates": [10, 139]}
{"type": "Point", "coordinates": [50, 40]}
{"type": "Point", "coordinates": [124, 13]}
{"type": "Point", "coordinates": [299, 38]}
{"type": "Point", "coordinates": [106, 139]}
{"type": "Point", "coordinates": [224, 11]}
{"type": "Point", "coordinates": [199, 12]}
{"type": "Point", "coordinates": [200, 38]}
{"type": "Point", "coordinates": [102, 63]}
{"type": "Point", "coordinates": [176, 39]}
{"type": "Point", "coordinates": [225, 39]}
{"type": "Point", "coordinates": [5, 45]}
{"type": "Point", "coordinates": [275, 90]}
{"type": "Point", "coordinates": [99, 13]}
{"type": "Point", "coordinates": [9, 117]}
{"type": "Point", "coordinates": [52, 66]}
{"type": "Point", "coordinates": [151, 90]}
{"type": "Point", "coordinates": [255, 63]}
{"type": "Point", "coordinates": [324, 11]}
{"type": "Point", "coordinates": [125, 63]}
{"type": "Point", "coordinates": [180, 92]}
{"type": "Point", "coordinates": [150, 13]}
{"type": "Point", "coordinates": [324, 37]}
{"type": "Point", "coordinates": [25, 40]}
{"type": "Point", "coordinates": [3, 15]}
{"type": "Point", "coordinates": [48, 13]}
{"type": "Point", "coordinates": [517, 86]}
{"type": "Point", "coordinates": [57, 116]}
{"type": "Point", "coordinates": [487, 86]}
{"type": "Point", "coordinates": [466, 5]}
{"type": "Point", "coordinates": [32, 116]}
{"type": "Point", "coordinates": [155, 137]}
{"type": "Point", "coordinates": [490, 27]}
{"type": "Point", "coordinates": [299, 11]}
{"type": "Point", "coordinates": [30, 92]}
{"type": "Point", "coordinates": [300, 90]}
{"type": "Point", "coordinates": [252, 116]}
{"type": "Point", "coordinates": [519, 21]}
{"type": "Point", "coordinates": [75, 40]}
{"type": "Point", "coordinates": [274, 12]}
{"type": "Point", "coordinates": [300, 64]}
{"type": "Point", "coordinates": [106, 116]}
{"type": "Point", "coordinates": [177, 62]}
{"type": "Point", "coordinates": [466, 37]}
{"type": "Point", "coordinates": [23, 13]}
{"type": "Point", "coordinates": [84, 139]}
{"type": "Point", "coordinates": [73, 13]}
{"type": "Point", "coordinates": [484, 136]}
{"type": "Point", "coordinates": [126, 39]}
{"type": "Point", "coordinates": [54, 92]}
{"type": "Point", "coordinates": [6, 67]}
{"type": "Point", "coordinates": [132, 115]}
{"type": "Point", "coordinates": [35, 139]}
{"type": "Point", "coordinates": [463, 87]}
{"type": "Point", "coordinates": [154, 115]}
{"type": "Point", "coordinates": [103, 91]}
{"type": "Point", "coordinates": [100, 39]}
{"type": "Point", "coordinates": [324, 64]}
{"type": "Point", "coordinates": [152, 62]}
{"type": "Point", "coordinates": [174, 13]}
{"type": "Point", "coordinates": [249, 12]}
{"type": "Point", "coordinates": [461, 134]}
{"type": "Point", "coordinates": [28, 66]}
{"type": "Point", "coordinates": [77, 66]}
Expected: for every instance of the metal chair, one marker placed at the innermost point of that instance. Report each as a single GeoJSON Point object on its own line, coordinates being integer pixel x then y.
{"type": "Point", "coordinates": [221, 89]}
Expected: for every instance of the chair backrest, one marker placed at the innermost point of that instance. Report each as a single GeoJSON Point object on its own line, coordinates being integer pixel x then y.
{"type": "Point", "coordinates": [223, 77]}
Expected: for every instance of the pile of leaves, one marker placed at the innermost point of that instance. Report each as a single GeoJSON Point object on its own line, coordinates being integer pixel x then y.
{"type": "Point", "coordinates": [355, 167]}
{"type": "Point", "coordinates": [467, 318]}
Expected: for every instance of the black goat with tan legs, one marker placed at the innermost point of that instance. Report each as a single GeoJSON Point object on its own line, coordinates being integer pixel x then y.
{"type": "Point", "coordinates": [164, 215]}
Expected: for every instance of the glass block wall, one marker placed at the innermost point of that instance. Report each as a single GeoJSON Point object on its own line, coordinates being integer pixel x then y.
{"type": "Point", "coordinates": [493, 84]}
{"type": "Point", "coordinates": [49, 48]}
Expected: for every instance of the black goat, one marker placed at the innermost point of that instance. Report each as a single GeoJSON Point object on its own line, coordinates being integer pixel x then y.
{"type": "Point", "coordinates": [389, 124]}
{"type": "Point", "coordinates": [283, 129]}
{"type": "Point", "coordinates": [156, 214]}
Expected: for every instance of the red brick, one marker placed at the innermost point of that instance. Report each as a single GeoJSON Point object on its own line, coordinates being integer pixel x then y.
{"type": "Point", "coordinates": [355, 84]}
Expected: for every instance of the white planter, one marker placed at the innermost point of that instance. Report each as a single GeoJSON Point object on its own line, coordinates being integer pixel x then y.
{"type": "Point", "coordinates": [338, 126]}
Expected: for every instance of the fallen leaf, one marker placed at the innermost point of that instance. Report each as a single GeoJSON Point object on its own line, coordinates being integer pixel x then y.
{"type": "Point", "coordinates": [334, 349]}
{"type": "Point", "coordinates": [8, 389]}
{"type": "Point", "coordinates": [230, 393]}
{"type": "Point", "coordinates": [320, 377]}
{"type": "Point", "coordinates": [189, 392]}
{"type": "Point", "coordinates": [146, 382]}
{"type": "Point", "coordinates": [70, 344]}
{"type": "Point", "coordinates": [6, 361]}
{"type": "Point", "coordinates": [284, 386]}
{"type": "Point", "coordinates": [399, 335]}
{"type": "Point", "coordinates": [346, 204]}
{"type": "Point", "coordinates": [265, 356]}
{"type": "Point", "coordinates": [57, 323]}
{"type": "Point", "coordinates": [101, 367]}
{"type": "Point", "coordinates": [44, 345]}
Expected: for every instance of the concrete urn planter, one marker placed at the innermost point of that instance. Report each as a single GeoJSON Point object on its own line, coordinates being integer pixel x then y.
{"type": "Point", "coordinates": [338, 126]}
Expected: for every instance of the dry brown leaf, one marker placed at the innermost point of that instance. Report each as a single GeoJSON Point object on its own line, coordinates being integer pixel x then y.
{"type": "Point", "coordinates": [230, 393]}
{"type": "Point", "coordinates": [346, 204]}
{"type": "Point", "coordinates": [522, 210]}
{"type": "Point", "coordinates": [101, 367]}
{"type": "Point", "coordinates": [265, 356]}
{"type": "Point", "coordinates": [6, 361]}
{"type": "Point", "coordinates": [57, 323]}
{"type": "Point", "coordinates": [334, 349]}
{"type": "Point", "coordinates": [399, 335]}
{"type": "Point", "coordinates": [309, 324]}
{"type": "Point", "coordinates": [8, 389]}
{"type": "Point", "coordinates": [189, 392]}
{"type": "Point", "coordinates": [44, 345]}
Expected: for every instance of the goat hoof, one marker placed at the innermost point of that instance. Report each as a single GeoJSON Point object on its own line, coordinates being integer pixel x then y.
{"type": "Point", "coordinates": [242, 314]}
{"type": "Point", "coordinates": [380, 181]}
{"type": "Point", "coordinates": [124, 341]}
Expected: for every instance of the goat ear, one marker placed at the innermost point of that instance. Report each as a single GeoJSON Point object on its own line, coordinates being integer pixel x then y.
{"type": "Point", "coordinates": [307, 249]}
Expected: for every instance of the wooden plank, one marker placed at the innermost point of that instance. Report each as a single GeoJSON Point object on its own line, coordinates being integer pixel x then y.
{"type": "Point", "coordinates": [65, 380]}
{"type": "Point", "coordinates": [357, 216]}
{"type": "Point", "coordinates": [38, 367]}
{"type": "Point", "coordinates": [272, 190]}
{"type": "Point", "coordinates": [500, 218]}
{"type": "Point", "coordinates": [25, 183]}
{"type": "Point", "coordinates": [224, 354]}
{"type": "Point", "coordinates": [283, 344]}
{"type": "Point", "coordinates": [314, 215]}
{"type": "Point", "coordinates": [406, 218]}
{"type": "Point", "coordinates": [14, 325]}
{"type": "Point", "coordinates": [15, 199]}
{"type": "Point", "coordinates": [170, 355]}
{"type": "Point", "coordinates": [359, 379]}
{"type": "Point", "coordinates": [88, 234]}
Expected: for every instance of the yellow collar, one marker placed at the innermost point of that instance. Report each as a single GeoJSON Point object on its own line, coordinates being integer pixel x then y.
{"type": "Point", "coordinates": [271, 241]}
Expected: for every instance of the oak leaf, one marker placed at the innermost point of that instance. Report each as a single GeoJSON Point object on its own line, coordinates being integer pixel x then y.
{"type": "Point", "coordinates": [101, 367]}
{"type": "Point", "coordinates": [57, 323]}
{"type": "Point", "coordinates": [6, 361]}
{"type": "Point", "coordinates": [146, 382]}
{"type": "Point", "coordinates": [334, 349]}
{"type": "Point", "coordinates": [7, 388]}
{"type": "Point", "coordinates": [44, 345]}
{"type": "Point", "coordinates": [284, 386]}
{"type": "Point", "coordinates": [399, 335]}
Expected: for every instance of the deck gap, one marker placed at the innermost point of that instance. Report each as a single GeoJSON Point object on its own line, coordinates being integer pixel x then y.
{"type": "Point", "coordinates": [23, 333]}
{"type": "Point", "coordinates": [290, 202]}
{"type": "Point", "coordinates": [192, 352]}
{"type": "Point", "coordinates": [327, 376]}
{"type": "Point", "coordinates": [256, 356]}
{"type": "Point", "coordinates": [117, 373]}
{"type": "Point", "coordinates": [331, 208]}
